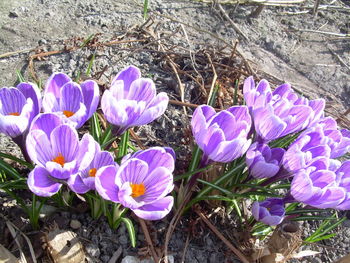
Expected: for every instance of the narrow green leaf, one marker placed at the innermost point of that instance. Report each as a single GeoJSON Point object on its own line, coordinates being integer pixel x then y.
{"type": "Point", "coordinates": [17, 160]}
{"type": "Point", "coordinates": [86, 41]}
{"type": "Point", "coordinates": [188, 174]}
{"type": "Point", "coordinates": [123, 145]}
{"type": "Point", "coordinates": [91, 63]}
{"type": "Point", "coordinates": [131, 230]}
{"type": "Point", "coordinates": [145, 9]}
{"type": "Point", "coordinates": [212, 96]}
{"type": "Point", "coordinates": [9, 170]}
{"type": "Point", "coordinates": [20, 77]}
{"type": "Point", "coordinates": [196, 156]}
{"type": "Point", "coordinates": [95, 127]}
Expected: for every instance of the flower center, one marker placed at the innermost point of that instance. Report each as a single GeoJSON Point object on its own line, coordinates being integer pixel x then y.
{"type": "Point", "coordinates": [59, 159]}
{"type": "Point", "coordinates": [92, 172]}
{"type": "Point", "coordinates": [14, 113]}
{"type": "Point", "coordinates": [68, 113]}
{"type": "Point", "coordinates": [137, 190]}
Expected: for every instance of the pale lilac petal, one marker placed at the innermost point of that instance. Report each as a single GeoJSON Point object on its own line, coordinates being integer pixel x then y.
{"type": "Point", "coordinates": [105, 183]}
{"type": "Point", "coordinates": [55, 83]}
{"type": "Point", "coordinates": [91, 95]}
{"type": "Point", "coordinates": [14, 126]}
{"type": "Point", "coordinates": [51, 103]}
{"type": "Point", "coordinates": [155, 157]}
{"type": "Point", "coordinates": [142, 89]}
{"type": "Point", "coordinates": [12, 101]}
{"type": "Point", "coordinates": [154, 110]}
{"type": "Point", "coordinates": [46, 122]}
{"type": "Point", "coordinates": [113, 110]}
{"type": "Point", "coordinates": [128, 75]}
{"type": "Point", "coordinates": [158, 184]}
{"type": "Point", "coordinates": [132, 171]}
{"type": "Point", "coordinates": [126, 199]}
{"type": "Point", "coordinates": [77, 185]}
{"type": "Point", "coordinates": [64, 140]}
{"type": "Point", "coordinates": [264, 170]}
{"type": "Point", "coordinates": [38, 147]}
{"type": "Point", "coordinates": [301, 186]}
{"type": "Point", "coordinates": [156, 210]}
{"type": "Point", "coordinates": [86, 152]}
{"type": "Point", "coordinates": [268, 126]}
{"type": "Point", "coordinates": [40, 183]}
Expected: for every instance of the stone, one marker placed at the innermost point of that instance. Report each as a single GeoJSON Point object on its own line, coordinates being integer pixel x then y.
{"type": "Point", "coordinates": [130, 259]}
{"type": "Point", "coordinates": [75, 224]}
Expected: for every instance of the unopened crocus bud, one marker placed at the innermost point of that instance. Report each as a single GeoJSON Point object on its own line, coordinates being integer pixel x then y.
{"type": "Point", "coordinates": [263, 161]}
{"type": "Point", "coordinates": [270, 212]}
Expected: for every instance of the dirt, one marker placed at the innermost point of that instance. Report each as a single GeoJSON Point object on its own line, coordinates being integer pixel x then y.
{"type": "Point", "coordinates": [275, 44]}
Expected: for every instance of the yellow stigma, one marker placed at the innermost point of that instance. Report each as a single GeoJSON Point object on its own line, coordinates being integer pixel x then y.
{"type": "Point", "coordinates": [14, 113]}
{"type": "Point", "coordinates": [137, 190]}
{"type": "Point", "coordinates": [59, 159]}
{"type": "Point", "coordinates": [92, 172]}
{"type": "Point", "coordinates": [68, 113]}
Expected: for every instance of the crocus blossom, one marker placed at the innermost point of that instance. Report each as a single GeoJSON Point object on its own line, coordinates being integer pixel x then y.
{"type": "Point", "coordinates": [270, 212]}
{"type": "Point", "coordinates": [323, 186]}
{"type": "Point", "coordinates": [141, 183]}
{"type": "Point", "coordinates": [309, 147]}
{"type": "Point", "coordinates": [132, 101]}
{"type": "Point", "coordinates": [282, 113]}
{"type": "Point", "coordinates": [263, 161]}
{"type": "Point", "coordinates": [221, 136]}
{"type": "Point", "coordinates": [343, 146]}
{"type": "Point", "coordinates": [84, 180]}
{"type": "Point", "coordinates": [69, 99]}
{"type": "Point", "coordinates": [18, 106]}
{"type": "Point", "coordinates": [55, 148]}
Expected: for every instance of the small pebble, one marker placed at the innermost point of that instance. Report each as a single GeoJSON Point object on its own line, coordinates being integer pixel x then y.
{"type": "Point", "coordinates": [75, 224]}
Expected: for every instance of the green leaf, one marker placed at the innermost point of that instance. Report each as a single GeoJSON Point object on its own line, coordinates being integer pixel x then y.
{"type": "Point", "coordinates": [123, 145]}
{"type": "Point", "coordinates": [131, 230]}
{"type": "Point", "coordinates": [95, 127]}
{"type": "Point", "coordinates": [20, 77]}
{"type": "Point", "coordinates": [86, 41]}
{"type": "Point", "coordinates": [9, 170]}
{"type": "Point", "coordinates": [196, 156]}
{"type": "Point", "coordinates": [145, 9]}
{"type": "Point", "coordinates": [17, 160]}
{"type": "Point", "coordinates": [321, 238]}
{"type": "Point", "coordinates": [91, 63]}
{"type": "Point", "coordinates": [188, 174]}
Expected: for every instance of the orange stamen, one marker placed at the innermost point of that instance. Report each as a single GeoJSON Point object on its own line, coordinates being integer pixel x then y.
{"type": "Point", "coordinates": [92, 172]}
{"type": "Point", "coordinates": [68, 113]}
{"type": "Point", "coordinates": [14, 113]}
{"type": "Point", "coordinates": [137, 189]}
{"type": "Point", "coordinates": [59, 159]}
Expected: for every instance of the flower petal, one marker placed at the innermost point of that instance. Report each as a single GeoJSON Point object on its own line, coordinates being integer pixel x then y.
{"type": "Point", "coordinates": [91, 95]}
{"type": "Point", "coordinates": [55, 83]}
{"type": "Point", "coordinates": [128, 75]}
{"type": "Point", "coordinates": [77, 185]}
{"type": "Point", "coordinates": [105, 183]}
{"type": "Point", "coordinates": [156, 210]}
{"type": "Point", "coordinates": [31, 90]}
{"type": "Point", "coordinates": [40, 183]}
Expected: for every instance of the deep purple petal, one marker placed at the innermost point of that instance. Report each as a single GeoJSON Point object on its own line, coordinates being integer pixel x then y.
{"type": "Point", "coordinates": [40, 183]}
{"type": "Point", "coordinates": [105, 183]}
{"type": "Point", "coordinates": [156, 210]}
{"type": "Point", "coordinates": [12, 101]}
{"type": "Point", "coordinates": [133, 171]}
{"type": "Point", "coordinates": [38, 147]}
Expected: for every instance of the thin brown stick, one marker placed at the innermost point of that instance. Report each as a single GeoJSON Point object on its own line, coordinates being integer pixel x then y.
{"type": "Point", "coordinates": [238, 30]}
{"type": "Point", "coordinates": [238, 253]}
{"type": "Point", "coordinates": [149, 240]}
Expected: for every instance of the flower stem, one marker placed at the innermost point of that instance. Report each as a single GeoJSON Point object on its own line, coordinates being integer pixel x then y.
{"type": "Point", "coordinates": [20, 141]}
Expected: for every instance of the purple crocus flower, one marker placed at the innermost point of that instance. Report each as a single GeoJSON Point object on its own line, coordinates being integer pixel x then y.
{"type": "Point", "coordinates": [57, 152]}
{"type": "Point", "coordinates": [282, 113]}
{"type": "Point", "coordinates": [141, 183]}
{"type": "Point", "coordinates": [309, 147]}
{"type": "Point", "coordinates": [263, 161]}
{"type": "Point", "coordinates": [323, 186]}
{"type": "Point", "coordinates": [18, 106]}
{"type": "Point", "coordinates": [75, 102]}
{"type": "Point", "coordinates": [221, 136]}
{"type": "Point", "coordinates": [343, 146]}
{"type": "Point", "coordinates": [132, 101]}
{"type": "Point", "coordinates": [270, 212]}
{"type": "Point", "coordinates": [84, 180]}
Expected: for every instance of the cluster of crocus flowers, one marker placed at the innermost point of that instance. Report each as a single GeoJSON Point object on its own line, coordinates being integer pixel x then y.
{"type": "Point", "coordinates": [143, 180]}
{"type": "Point", "coordinates": [281, 112]}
